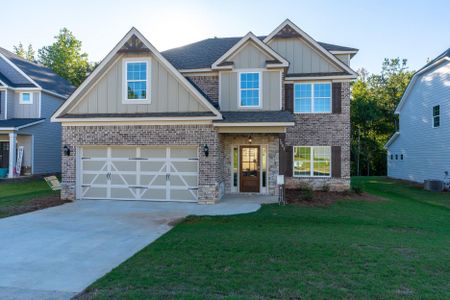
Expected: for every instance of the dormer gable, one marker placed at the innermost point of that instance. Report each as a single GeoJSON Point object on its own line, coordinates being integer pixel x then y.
{"type": "Point", "coordinates": [135, 81]}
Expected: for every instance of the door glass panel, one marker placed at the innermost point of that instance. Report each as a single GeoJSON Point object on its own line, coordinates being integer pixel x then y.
{"type": "Point", "coordinates": [235, 165]}
{"type": "Point", "coordinates": [183, 152]}
{"type": "Point", "coordinates": [249, 161]}
{"type": "Point", "coordinates": [156, 152]}
{"type": "Point", "coordinates": [264, 166]}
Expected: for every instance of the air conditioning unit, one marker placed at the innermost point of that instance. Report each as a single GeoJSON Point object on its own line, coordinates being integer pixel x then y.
{"type": "Point", "coordinates": [433, 185]}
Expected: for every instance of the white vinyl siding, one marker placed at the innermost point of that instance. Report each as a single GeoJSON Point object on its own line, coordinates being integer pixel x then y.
{"type": "Point", "coordinates": [313, 97]}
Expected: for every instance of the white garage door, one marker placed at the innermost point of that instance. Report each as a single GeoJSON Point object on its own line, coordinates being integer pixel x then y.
{"type": "Point", "coordinates": [138, 173]}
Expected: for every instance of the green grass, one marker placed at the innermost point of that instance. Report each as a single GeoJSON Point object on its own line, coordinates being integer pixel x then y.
{"type": "Point", "coordinates": [396, 248]}
{"type": "Point", "coordinates": [20, 192]}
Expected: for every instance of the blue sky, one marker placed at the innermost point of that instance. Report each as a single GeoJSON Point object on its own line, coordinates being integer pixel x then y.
{"type": "Point", "coordinates": [416, 30]}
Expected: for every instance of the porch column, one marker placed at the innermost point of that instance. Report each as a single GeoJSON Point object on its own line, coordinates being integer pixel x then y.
{"type": "Point", "coordinates": [12, 153]}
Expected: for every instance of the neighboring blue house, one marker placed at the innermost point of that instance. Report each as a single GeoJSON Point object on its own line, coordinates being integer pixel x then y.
{"type": "Point", "coordinates": [29, 94]}
{"type": "Point", "coordinates": [420, 150]}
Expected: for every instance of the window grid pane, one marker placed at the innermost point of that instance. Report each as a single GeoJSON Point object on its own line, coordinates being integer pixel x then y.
{"type": "Point", "coordinates": [312, 161]}
{"type": "Point", "coordinates": [249, 89]}
{"type": "Point", "coordinates": [302, 161]}
{"type": "Point", "coordinates": [322, 158]}
{"type": "Point", "coordinates": [303, 98]}
{"type": "Point", "coordinates": [322, 97]}
{"type": "Point", "coordinates": [136, 80]}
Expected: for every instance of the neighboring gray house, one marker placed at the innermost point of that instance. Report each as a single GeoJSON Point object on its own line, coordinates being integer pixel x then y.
{"type": "Point", "coordinates": [420, 149]}
{"type": "Point", "coordinates": [223, 115]}
{"type": "Point", "coordinates": [29, 94]}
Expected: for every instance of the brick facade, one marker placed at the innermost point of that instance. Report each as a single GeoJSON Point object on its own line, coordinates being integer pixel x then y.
{"type": "Point", "coordinates": [324, 130]}
{"type": "Point", "coordinates": [210, 168]}
{"type": "Point", "coordinates": [209, 84]}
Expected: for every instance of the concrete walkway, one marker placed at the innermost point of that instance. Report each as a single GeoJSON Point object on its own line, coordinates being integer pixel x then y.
{"type": "Point", "coordinates": [57, 252]}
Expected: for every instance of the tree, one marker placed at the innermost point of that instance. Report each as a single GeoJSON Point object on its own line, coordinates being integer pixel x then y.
{"type": "Point", "coordinates": [28, 54]}
{"type": "Point", "coordinates": [374, 99]}
{"type": "Point", "coordinates": [66, 58]}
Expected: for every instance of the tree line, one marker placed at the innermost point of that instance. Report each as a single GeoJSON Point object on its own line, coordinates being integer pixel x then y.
{"type": "Point", "coordinates": [374, 97]}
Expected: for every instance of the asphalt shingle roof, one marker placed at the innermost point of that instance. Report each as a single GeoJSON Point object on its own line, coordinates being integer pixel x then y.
{"type": "Point", "coordinates": [11, 76]}
{"type": "Point", "coordinates": [42, 75]}
{"type": "Point", "coordinates": [256, 116]}
{"type": "Point", "coordinates": [13, 123]}
{"type": "Point", "coordinates": [204, 53]}
{"type": "Point", "coordinates": [141, 115]}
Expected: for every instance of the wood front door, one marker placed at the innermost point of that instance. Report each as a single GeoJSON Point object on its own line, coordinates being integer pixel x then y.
{"type": "Point", "coordinates": [249, 169]}
{"type": "Point", "coordinates": [4, 154]}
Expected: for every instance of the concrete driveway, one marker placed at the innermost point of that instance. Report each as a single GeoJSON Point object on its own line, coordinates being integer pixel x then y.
{"type": "Point", "coordinates": [57, 252]}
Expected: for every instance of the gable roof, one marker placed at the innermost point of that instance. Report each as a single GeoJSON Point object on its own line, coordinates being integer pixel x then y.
{"type": "Point", "coordinates": [279, 60]}
{"type": "Point", "coordinates": [18, 123]}
{"type": "Point", "coordinates": [204, 53]}
{"type": "Point", "coordinates": [293, 30]}
{"type": "Point", "coordinates": [137, 41]}
{"type": "Point", "coordinates": [444, 56]}
{"type": "Point", "coordinates": [30, 74]}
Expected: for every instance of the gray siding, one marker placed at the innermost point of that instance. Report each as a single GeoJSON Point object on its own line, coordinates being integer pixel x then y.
{"type": "Point", "coordinates": [168, 94]}
{"type": "Point", "coordinates": [249, 56]}
{"type": "Point", "coordinates": [25, 110]}
{"type": "Point", "coordinates": [2, 105]}
{"type": "Point", "coordinates": [302, 57]}
{"type": "Point", "coordinates": [47, 138]}
{"type": "Point", "coordinates": [11, 102]}
{"type": "Point", "coordinates": [270, 95]}
{"type": "Point", "coordinates": [345, 58]}
{"type": "Point", "coordinates": [426, 150]}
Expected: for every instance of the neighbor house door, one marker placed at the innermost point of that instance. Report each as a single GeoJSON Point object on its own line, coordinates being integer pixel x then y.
{"type": "Point", "coordinates": [4, 154]}
{"type": "Point", "coordinates": [249, 169]}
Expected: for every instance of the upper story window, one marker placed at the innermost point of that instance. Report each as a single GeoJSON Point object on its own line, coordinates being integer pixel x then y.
{"type": "Point", "coordinates": [250, 89]}
{"type": "Point", "coordinates": [26, 98]}
{"type": "Point", "coordinates": [436, 116]}
{"type": "Point", "coordinates": [137, 81]}
{"type": "Point", "coordinates": [314, 97]}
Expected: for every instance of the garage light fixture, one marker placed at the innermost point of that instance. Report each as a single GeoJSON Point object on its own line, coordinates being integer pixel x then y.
{"type": "Point", "coordinates": [66, 150]}
{"type": "Point", "coordinates": [206, 150]}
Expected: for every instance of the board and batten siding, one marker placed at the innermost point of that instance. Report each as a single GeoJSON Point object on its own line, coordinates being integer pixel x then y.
{"type": "Point", "coordinates": [2, 105]}
{"type": "Point", "coordinates": [426, 150]}
{"type": "Point", "coordinates": [249, 56]}
{"type": "Point", "coordinates": [167, 93]}
{"type": "Point", "coordinates": [270, 94]}
{"type": "Point", "coordinates": [47, 148]}
{"type": "Point", "coordinates": [26, 110]}
{"type": "Point", "coordinates": [301, 56]}
{"type": "Point", "coordinates": [345, 58]}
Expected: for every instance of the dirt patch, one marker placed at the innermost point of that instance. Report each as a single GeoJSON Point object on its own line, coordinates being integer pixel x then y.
{"type": "Point", "coordinates": [320, 198]}
{"type": "Point", "coordinates": [32, 205]}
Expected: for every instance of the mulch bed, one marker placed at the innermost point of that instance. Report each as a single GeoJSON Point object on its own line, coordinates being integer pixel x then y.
{"type": "Point", "coordinates": [320, 198]}
{"type": "Point", "coordinates": [32, 205]}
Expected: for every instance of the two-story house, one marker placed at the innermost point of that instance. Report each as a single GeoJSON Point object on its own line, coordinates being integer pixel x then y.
{"type": "Point", "coordinates": [223, 115]}
{"type": "Point", "coordinates": [29, 94]}
{"type": "Point", "coordinates": [419, 150]}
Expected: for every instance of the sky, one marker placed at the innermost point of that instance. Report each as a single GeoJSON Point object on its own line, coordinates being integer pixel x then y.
{"type": "Point", "coordinates": [415, 30]}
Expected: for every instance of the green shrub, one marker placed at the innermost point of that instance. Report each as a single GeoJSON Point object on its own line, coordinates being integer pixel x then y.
{"type": "Point", "coordinates": [357, 189]}
{"type": "Point", "coordinates": [326, 188]}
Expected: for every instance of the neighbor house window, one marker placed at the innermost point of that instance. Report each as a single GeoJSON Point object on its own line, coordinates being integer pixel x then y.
{"type": "Point", "coordinates": [312, 97]}
{"type": "Point", "coordinates": [436, 116]}
{"type": "Point", "coordinates": [312, 161]}
{"type": "Point", "coordinates": [401, 156]}
{"type": "Point", "coordinates": [249, 89]}
{"type": "Point", "coordinates": [136, 81]}
{"type": "Point", "coordinates": [392, 156]}
{"type": "Point", "coordinates": [26, 98]}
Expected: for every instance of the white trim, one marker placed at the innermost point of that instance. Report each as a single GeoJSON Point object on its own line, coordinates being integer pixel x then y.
{"type": "Point", "coordinates": [12, 153]}
{"type": "Point", "coordinates": [413, 81]}
{"type": "Point", "coordinates": [4, 85]}
{"type": "Point", "coordinates": [32, 154]}
{"type": "Point", "coordinates": [335, 78]}
{"type": "Point", "coordinates": [343, 52]}
{"type": "Point", "coordinates": [250, 36]}
{"type": "Point", "coordinates": [40, 104]}
{"type": "Point", "coordinates": [148, 66]}
{"type": "Point", "coordinates": [21, 101]}
{"type": "Point", "coordinates": [311, 160]}
{"type": "Point", "coordinates": [313, 83]}
{"type": "Point", "coordinates": [19, 70]}
{"type": "Point", "coordinates": [260, 87]}
{"type": "Point", "coordinates": [200, 70]}
{"type": "Point", "coordinates": [254, 124]}
{"type": "Point", "coordinates": [281, 90]}
{"type": "Point", "coordinates": [391, 140]}
{"type": "Point", "coordinates": [56, 116]}
{"type": "Point", "coordinates": [6, 104]}
{"type": "Point", "coordinates": [311, 41]}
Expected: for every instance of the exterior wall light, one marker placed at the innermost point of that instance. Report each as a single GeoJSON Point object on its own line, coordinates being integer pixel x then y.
{"type": "Point", "coordinates": [66, 150]}
{"type": "Point", "coordinates": [206, 150]}
{"type": "Point", "coordinates": [249, 139]}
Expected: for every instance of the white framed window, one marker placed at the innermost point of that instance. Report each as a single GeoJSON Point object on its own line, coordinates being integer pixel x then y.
{"type": "Point", "coordinates": [136, 81]}
{"type": "Point", "coordinates": [312, 97]}
{"type": "Point", "coordinates": [250, 89]}
{"type": "Point", "coordinates": [312, 161]}
{"type": "Point", "coordinates": [436, 116]}
{"type": "Point", "coordinates": [26, 98]}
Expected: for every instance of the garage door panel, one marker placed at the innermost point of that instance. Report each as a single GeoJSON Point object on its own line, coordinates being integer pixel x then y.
{"type": "Point", "coordinates": [140, 173]}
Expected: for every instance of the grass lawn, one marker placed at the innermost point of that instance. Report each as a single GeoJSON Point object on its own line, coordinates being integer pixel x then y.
{"type": "Point", "coordinates": [399, 247]}
{"type": "Point", "coordinates": [21, 194]}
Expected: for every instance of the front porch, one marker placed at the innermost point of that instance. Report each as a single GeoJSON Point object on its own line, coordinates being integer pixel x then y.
{"type": "Point", "coordinates": [10, 143]}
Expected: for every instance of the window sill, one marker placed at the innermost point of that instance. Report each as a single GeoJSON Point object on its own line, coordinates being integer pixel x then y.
{"type": "Point", "coordinates": [136, 101]}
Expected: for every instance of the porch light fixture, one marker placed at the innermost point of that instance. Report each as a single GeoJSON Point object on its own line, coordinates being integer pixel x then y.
{"type": "Point", "coordinates": [206, 150]}
{"type": "Point", "coordinates": [66, 150]}
{"type": "Point", "coordinates": [249, 139]}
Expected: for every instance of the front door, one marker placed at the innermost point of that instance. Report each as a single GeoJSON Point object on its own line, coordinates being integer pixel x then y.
{"type": "Point", "coordinates": [4, 154]}
{"type": "Point", "coordinates": [249, 169]}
